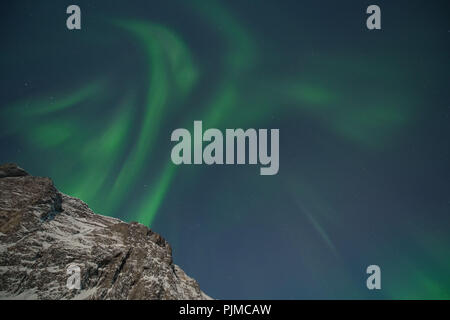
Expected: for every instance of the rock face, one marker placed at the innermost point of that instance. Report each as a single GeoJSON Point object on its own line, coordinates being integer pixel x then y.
{"type": "Point", "coordinates": [44, 234]}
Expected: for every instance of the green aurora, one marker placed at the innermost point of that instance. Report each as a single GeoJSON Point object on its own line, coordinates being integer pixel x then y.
{"type": "Point", "coordinates": [104, 137]}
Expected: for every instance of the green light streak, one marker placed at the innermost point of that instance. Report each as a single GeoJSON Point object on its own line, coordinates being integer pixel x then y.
{"type": "Point", "coordinates": [241, 50]}
{"type": "Point", "coordinates": [416, 284]}
{"type": "Point", "coordinates": [309, 95]}
{"type": "Point", "coordinates": [46, 106]}
{"type": "Point", "coordinates": [25, 110]}
{"type": "Point", "coordinates": [154, 110]}
{"type": "Point", "coordinates": [100, 155]}
{"type": "Point", "coordinates": [239, 56]}
{"type": "Point", "coordinates": [368, 123]}
{"type": "Point", "coordinates": [221, 106]}
{"type": "Point", "coordinates": [167, 57]}
{"type": "Point", "coordinates": [148, 209]}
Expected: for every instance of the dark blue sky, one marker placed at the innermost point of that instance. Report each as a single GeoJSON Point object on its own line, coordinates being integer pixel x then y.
{"type": "Point", "coordinates": [364, 134]}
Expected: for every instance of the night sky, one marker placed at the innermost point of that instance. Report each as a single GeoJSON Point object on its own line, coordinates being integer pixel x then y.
{"type": "Point", "coordinates": [364, 119]}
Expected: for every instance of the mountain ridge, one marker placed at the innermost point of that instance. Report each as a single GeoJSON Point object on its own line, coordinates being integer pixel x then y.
{"type": "Point", "coordinates": [43, 232]}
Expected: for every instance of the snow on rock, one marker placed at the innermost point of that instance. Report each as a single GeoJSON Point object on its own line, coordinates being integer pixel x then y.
{"type": "Point", "coordinates": [43, 232]}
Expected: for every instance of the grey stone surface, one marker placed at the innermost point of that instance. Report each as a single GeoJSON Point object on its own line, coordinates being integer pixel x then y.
{"type": "Point", "coordinates": [43, 231]}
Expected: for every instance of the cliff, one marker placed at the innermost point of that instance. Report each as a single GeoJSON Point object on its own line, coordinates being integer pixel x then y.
{"type": "Point", "coordinates": [46, 235]}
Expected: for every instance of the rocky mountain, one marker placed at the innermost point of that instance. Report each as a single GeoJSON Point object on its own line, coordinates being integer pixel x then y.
{"type": "Point", "coordinates": [53, 246]}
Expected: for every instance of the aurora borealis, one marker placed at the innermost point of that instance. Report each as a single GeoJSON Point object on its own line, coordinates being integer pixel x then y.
{"type": "Point", "coordinates": [364, 134]}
